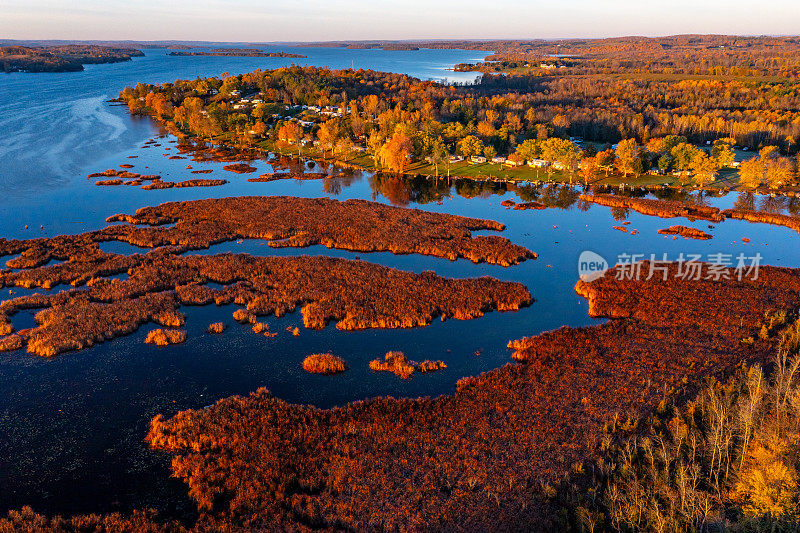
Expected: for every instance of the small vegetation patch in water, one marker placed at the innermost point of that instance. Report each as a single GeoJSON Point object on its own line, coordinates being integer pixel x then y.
{"type": "Point", "coordinates": [324, 363]}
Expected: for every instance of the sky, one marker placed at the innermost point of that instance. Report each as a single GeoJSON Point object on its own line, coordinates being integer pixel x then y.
{"type": "Point", "coordinates": [323, 20]}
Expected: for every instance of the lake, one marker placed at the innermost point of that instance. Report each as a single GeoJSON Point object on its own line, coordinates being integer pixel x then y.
{"type": "Point", "coordinates": [72, 427]}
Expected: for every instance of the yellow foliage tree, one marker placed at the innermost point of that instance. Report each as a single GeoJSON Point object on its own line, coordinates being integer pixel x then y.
{"type": "Point", "coordinates": [395, 153]}
{"type": "Point", "coordinates": [768, 486]}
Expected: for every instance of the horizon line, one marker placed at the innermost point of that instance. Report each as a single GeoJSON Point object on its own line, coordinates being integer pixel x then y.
{"type": "Point", "coordinates": [408, 40]}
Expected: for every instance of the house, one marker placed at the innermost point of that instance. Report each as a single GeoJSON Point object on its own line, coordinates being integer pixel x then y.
{"type": "Point", "coordinates": [456, 159]}
{"type": "Point", "coordinates": [359, 148]}
{"type": "Point", "coordinates": [514, 162]}
{"type": "Point", "coordinates": [477, 159]}
{"type": "Point", "coordinates": [558, 165]}
{"type": "Point", "coordinates": [499, 160]}
{"type": "Point", "coordinates": [538, 163]}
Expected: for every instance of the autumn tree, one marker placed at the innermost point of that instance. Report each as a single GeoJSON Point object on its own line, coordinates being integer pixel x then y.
{"type": "Point", "coordinates": [605, 160]}
{"type": "Point", "coordinates": [395, 153]}
{"type": "Point", "coordinates": [529, 149]}
{"type": "Point", "coordinates": [259, 128]}
{"type": "Point", "coordinates": [561, 151]}
{"type": "Point", "coordinates": [751, 172]}
{"type": "Point", "coordinates": [629, 157]}
{"type": "Point", "coordinates": [704, 169]}
{"type": "Point", "coordinates": [470, 146]}
{"type": "Point", "coordinates": [589, 169]}
{"type": "Point", "coordinates": [290, 132]}
{"type": "Point", "coordinates": [779, 171]}
{"type": "Point", "coordinates": [328, 134]}
{"type": "Point", "coordinates": [374, 145]}
{"type": "Point", "coordinates": [723, 153]}
{"type": "Point", "coordinates": [683, 154]}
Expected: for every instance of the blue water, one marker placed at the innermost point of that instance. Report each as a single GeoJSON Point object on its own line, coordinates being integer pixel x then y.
{"type": "Point", "coordinates": [60, 121]}
{"type": "Point", "coordinates": [71, 428]}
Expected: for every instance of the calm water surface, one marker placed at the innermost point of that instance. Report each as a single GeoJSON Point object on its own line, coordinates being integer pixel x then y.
{"type": "Point", "coordinates": [71, 428]}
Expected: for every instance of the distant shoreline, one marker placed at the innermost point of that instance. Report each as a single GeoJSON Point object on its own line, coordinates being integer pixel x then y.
{"type": "Point", "coordinates": [239, 52]}
{"type": "Point", "coordinates": [70, 58]}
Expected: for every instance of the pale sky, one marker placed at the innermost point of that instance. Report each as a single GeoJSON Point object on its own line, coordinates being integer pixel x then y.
{"type": "Point", "coordinates": [320, 20]}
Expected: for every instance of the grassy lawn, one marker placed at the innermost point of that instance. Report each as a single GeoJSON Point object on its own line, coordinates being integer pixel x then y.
{"type": "Point", "coordinates": [727, 178]}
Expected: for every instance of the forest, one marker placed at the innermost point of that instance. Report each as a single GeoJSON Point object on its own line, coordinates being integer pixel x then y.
{"type": "Point", "coordinates": [65, 58]}
{"type": "Point", "coordinates": [595, 117]}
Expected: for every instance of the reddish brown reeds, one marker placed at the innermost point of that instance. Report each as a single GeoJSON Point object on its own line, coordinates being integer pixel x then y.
{"type": "Point", "coordinates": [530, 205]}
{"type": "Point", "coordinates": [355, 225]}
{"type": "Point", "coordinates": [658, 208]}
{"type": "Point", "coordinates": [165, 337]}
{"type": "Point", "coordinates": [324, 363]}
{"type": "Point", "coordinates": [240, 168]}
{"type": "Point", "coordinates": [686, 232]}
{"type": "Point", "coordinates": [216, 327]}
{"type": "Point", "coordinates": [506, 433]}
{"type": "Point", "coordinates": [776, 219]}
{"type": "Point", "coordinates": [399, 365]}
{"type": "Point", "coordinates": [287, 176]}
{"type": "Point", "coordinates": [356, 294]}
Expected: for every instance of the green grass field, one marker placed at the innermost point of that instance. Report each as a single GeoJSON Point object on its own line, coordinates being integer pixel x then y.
{"type": "Point", "coordinates": [726, 178]}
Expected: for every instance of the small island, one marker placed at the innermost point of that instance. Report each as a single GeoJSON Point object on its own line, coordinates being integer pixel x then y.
{"type": "Point", "coordinates": [67, 58]}
{"type": "Point", "coordinates": [239, 52]}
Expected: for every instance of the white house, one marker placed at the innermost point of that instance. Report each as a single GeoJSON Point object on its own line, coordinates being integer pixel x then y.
{"type": "Point", "coordinates": [499, 160]}
{"type": "Point", "coordinates": [477, 159]}
{"type": "Point", "coordinates": [558, 165]}
{"type": "Point", "coordinates": [538, 163]}
{"type": "Point", "coordinates": [514, 162]}
{"type": "Point", "coordinates": [456, 158]}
